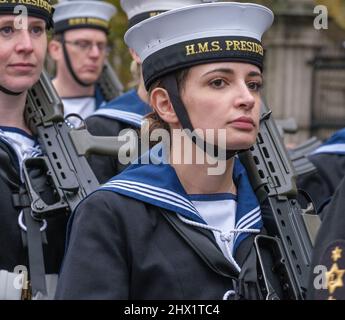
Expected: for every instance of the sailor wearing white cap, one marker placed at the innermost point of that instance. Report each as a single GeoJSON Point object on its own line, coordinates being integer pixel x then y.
{"type": "Point", "coordinates": [140, 10]}
{"type": "Point", "coordinates": [174, 45]}
{"type": "Point", "coordinates": [23, 46]}
{"type": "Point", "coordinates": [128, 110]}
{"type": "Point", "coordinates": [170, 230]}
{"type": "Point", "coordinates": [79, 48]}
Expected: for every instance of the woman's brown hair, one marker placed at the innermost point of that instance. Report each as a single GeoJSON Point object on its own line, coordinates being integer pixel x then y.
{"type": "Point", "coordinates": [154, 120]}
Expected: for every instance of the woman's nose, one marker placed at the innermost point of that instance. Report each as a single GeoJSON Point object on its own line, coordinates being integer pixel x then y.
{"type": "Point", "coordinates": [245, 97]}
{"type": "Point", "coordinates": [24, 41]}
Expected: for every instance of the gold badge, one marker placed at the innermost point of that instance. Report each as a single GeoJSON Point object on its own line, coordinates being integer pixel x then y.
{"type": "Point", "coordinates": [335, 275]}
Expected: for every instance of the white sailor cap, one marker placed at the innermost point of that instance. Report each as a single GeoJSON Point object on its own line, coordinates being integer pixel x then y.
{"type": "Point", "coordinates": [73, 14]}
{"type": "Point", "coordinates": [180, 38]}
{"type": "Point", "coordinates": [139, 10]}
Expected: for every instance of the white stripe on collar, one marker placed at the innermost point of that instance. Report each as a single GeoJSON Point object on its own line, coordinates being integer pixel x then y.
{"type": "Point", "coordinates": [244, 220]}
{"type": "Point", "coordinates": [119, 115]}
{"type": "Point", "coordinates": [154, 190]}
{"type": "Point", "coordinates": [256, 218]}
{"type": "Point", "coordinates": [23, 145]}
{"type": "Point", "coordinates": [156, 193]}
{"type": "Point", "coordinates": [334, 148]}
{"type": "Point", "coordinates": [239, 234]}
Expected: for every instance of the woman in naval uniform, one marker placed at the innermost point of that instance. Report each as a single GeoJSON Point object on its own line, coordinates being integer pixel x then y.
{"type": "Point", "coordinates": [168, 229]}
{"type": "Point", "coordinates": [23, 45]}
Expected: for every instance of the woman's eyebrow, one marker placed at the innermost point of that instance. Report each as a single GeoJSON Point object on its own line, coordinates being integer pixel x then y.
{"type": "Point", "coordinates": [223, 70]}
{"type": "Point", "coordinates": [231, 72]}
{"type": "Point", "coordinates": [7, 21]}
{"type": "Point", "coordinates": [255, 74]}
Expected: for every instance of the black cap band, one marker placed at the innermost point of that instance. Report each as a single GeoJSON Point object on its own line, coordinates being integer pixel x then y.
{"type": "Point", "coordinates": [143, 16]}
{"type": "Point", "coordinates": [81, 22]}
{"type": "Point", "coordinates": [36, 8]}
{"type": "Point", "coordinates": [199, 51]}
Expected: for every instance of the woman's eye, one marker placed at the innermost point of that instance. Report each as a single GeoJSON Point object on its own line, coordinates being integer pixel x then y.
{"type": "Point", "coordinates": [255, 86]}
{"type": "Point", "coordinates": [37, 30]}
{"type": "Point", "coordinates": [218, 83]}
{"type": "Point", "coordinates": [6, 31]}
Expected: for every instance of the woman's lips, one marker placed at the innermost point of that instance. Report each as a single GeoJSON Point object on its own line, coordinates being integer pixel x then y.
{"type": "Point", "coordinates": [22, 66]}
{"type": "Point", "coordinates": [244, 123]}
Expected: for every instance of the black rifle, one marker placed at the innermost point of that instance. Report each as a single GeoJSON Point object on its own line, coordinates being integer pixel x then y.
{"type": "Point", "coordinates": [284, 254]}
{"type": "Point", "coordinates": [109, 83]}
{"type": "Point", "coordinates": [64, 150]}
{"type": "Point", "coordinates": [59, 179]}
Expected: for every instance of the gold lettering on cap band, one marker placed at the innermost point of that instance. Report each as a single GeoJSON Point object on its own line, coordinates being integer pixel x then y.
{"type": "Point", "coordinates": [42, 4]}
{"type": "Point", "coordinates": [203, 47]}
{"type": "Point", "coordinates": [154, 13]}
{"type": "Point", "coordinates": [90, 21]}
{"type": "Point", "coordinates": [227, 45]}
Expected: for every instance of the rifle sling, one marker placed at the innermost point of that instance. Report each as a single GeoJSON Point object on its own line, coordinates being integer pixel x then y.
{"type": "Point", "coordinates": [35, 251]}
{"type": "Point", "coordinates": [33, 238]}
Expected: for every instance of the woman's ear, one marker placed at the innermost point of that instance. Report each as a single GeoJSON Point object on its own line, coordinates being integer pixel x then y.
{"type": "Point", "coordinates": [160, 102]}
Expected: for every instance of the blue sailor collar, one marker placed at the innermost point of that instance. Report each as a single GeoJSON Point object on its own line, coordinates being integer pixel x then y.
{"type": "Point", "coordinates": [158, 184]}
{"type": "Point", "coordinates": [334, 145]}
{"type": "Point", "coordinates": [127, 108]}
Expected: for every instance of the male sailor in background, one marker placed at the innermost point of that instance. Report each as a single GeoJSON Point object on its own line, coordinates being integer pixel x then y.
{"type": "Point", "coordinates": [79, 47]}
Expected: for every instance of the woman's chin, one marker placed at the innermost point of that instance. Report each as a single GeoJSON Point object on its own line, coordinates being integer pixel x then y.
{"type": "Point", "coordinates": [240, 145]}
{"type": "Point", "coordinates": [22, 86]}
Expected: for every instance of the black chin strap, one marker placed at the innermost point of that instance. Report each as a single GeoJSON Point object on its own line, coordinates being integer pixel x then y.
{"type": "Point", "coordinates": [170, 85]}
{"type": "Point", "coordinates": [12, 93]}
{"type": "Point", "coordinates": [69, 65]}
